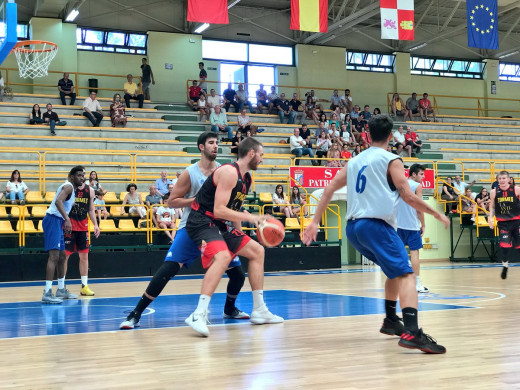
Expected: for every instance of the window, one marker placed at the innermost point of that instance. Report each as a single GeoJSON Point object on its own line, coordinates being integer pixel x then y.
{"type": "Point", "coordinates": [370, 62]}
{"type": "Point", "coordinates": [111, 41]}
{"type": "Point", "coordinates": [247, 52]}
{"type": "Point", "coordinates": [21, 31]}
{"type": "Point", "coordinates": [509, 71]}
{"type": "Point", "coordinates": [446, 67]}
{"type": "Point", "coordinates": [219, 50]}
{"type": "Point", "coordinates": [266, 54]}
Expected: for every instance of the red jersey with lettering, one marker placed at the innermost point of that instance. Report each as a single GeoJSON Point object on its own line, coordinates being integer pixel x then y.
{"type": "Point", "coordinates": [194, 91]}
{"type": "Point", "coordinates": [507, 204]}
{"type": "Point", "coordinates": [79, 213]}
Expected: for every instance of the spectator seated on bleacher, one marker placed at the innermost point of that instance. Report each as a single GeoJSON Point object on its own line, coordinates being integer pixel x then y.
{"type": "Point", "coordinates": [334, 153]}
{"type": "Point", "coordinates": [131, 90]}
{"type": "Point", "coordinates": [93, 182]}
{"type": "Point", "coordinates": [310, 110]}
{"type": "Point", "coordinates": [398, 107]}
{"type": "Point", "coordinates": [412, 106]}
{"type": "Point", "coordinates": [448, 194]}
{"type": "Point", "coordinates": [377, 111]}
{"type": "Point", "coordinates": [298, 202]}
{"type": "Point", "coordinates": [365, 139]}
{"type": "Point", "coordinates": [236, 141]}
{"type": "Point", "coordinates": [460, 186]}
{"type": "Point", "coordinates": [134, 199]}
{"type": "Point", "coordinates": [261, 99]}
{"type": "Point", "coordinates": [282, 204]}
{"type": "Point", "coordinates": [365, 115]}
{"type": "Point", "coordinates": [243, 99]}
{"type": "Point", "coordinates": [178, 212]}
{"type": "Point", "coordinates": [273, 101]}
{"type": "Point", "coordinates": [412, 140]}
{"type": "Point", "coordinates": [166, 220]}
{"type": "Point", "coordinates": [335, 100]}
{"type": "Point", "coordinates": [66, 88]}
{"type": "Point", "coordinates": [35, 117]}
{"type": "Point", "coordinates": [162, 183]}
{"type": "Point", "coordinates": [400, 142]}
{"type": "Point", "coordinates": [92, 109]}
{"type": "Point", "coordinates": [345, 155]}
{"type": "Point", "coordinates": [299, 147]}
{"type": "Point", "coordinates": [346, 101]}
{"type": "Point", "coordinates": [334, 133]}
{"type": "Point", "coordinates": [425, 108]}
{"type": "Point", "coordinates": [218, 121]}
{"type": "Point", "coordinates": [322, 146]}
{"type": "Point", "coordinates": [482, 199]}
{"type": "Point", "coordinates": [356, 118]}
{"type": "Point", "coordinates": [212, 100]}
{"type": "Point", "coordinates": [230, 98]}
{"type": "Point", "coordinates": [202, 107]}
{"type": "Point", "coordinates": [295, 104]}
{"type": "Point", "coordinates": [467, 205]}
{"type": "Point", "coordinates": [322, 118]}
{"type": "Point", "coordinates": [357, 150]}
{"type": "Point", "coordinates": [244, 122]}
{"type": "Point", "coordinates": [117, 111]}
{"type": "Point", "coordinates": [52, 119]}
{"type": "Point", "coordinates": [16, 188]}
{"type": "Point", "coordinates": [334, 119]}
{"type": "Point", "coordinates": [285, 109]}
{"type": "Point", "coordinates": [194, 93]}
{"type": "Point", "coordinates": [154, 197]}
{"type": "Point", "coordinates": [99, 205]}
{"type": "Point", "coordinates": [305, 133]}
{"type": "Point", "coordinates": [315, 99]}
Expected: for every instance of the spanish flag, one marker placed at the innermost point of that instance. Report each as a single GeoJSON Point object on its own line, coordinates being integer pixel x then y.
{"type": "Point", "coordinates": [309, 15]}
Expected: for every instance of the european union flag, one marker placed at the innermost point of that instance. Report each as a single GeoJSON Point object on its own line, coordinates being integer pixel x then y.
{"type": "Point", "coordinates": [482, 23]}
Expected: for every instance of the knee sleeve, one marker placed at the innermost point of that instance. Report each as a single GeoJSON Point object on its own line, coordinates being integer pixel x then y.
{"type": "Point", "coordinates": [163, 275]}
{"type": "Point", "coordinates": [236, 280]}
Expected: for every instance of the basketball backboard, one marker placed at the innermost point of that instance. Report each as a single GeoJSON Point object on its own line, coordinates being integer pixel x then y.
{"type": "Point", "coordinates": [8, 23]}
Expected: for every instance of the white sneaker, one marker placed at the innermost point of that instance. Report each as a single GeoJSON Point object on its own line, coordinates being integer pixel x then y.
{"type": "Point", "coordinates": [129, 324]}
{"type": "Point", "coordinates": [262, 315]}
{"type": "Point", "coordinates": [199, 323]}
{"type": "Point", "coordinates": [423, 289]}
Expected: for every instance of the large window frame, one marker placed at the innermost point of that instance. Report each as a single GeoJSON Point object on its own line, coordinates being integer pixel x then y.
{"type": "Point", "coordinates": [509, 71]}
{"type": "Point", "coordinates": [447, 67]}
{"type": "Point", "coordinates": [111, 41]}
{"type": "Point", "coordinates": [370, 62]}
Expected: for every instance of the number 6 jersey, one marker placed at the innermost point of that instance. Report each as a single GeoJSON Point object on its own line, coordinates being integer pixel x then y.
{"type": "Point", "coordinates": [370, 191]}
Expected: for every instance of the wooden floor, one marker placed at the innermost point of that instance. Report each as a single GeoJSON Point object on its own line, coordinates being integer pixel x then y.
{"type": "Point", "coordinates": [344, 352]}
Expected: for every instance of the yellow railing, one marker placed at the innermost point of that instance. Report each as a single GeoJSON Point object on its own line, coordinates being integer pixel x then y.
{"type": "Point", "coordinates": [38, 160]}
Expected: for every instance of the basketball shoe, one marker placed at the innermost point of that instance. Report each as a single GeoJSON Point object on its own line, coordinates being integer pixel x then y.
{"type": "Point", "coordinates": [199, 322]}
{"type": "Point", "coordinates": [48, 297]}
{"type": "Point", "coordinates": [63, 293]}
{"type": "Point", "coordinates": [262, 315]}
{"type": "Point", "coordinates": [131, 322]}
{"type": "Point", "coordinates": [420, 340]}
{"type": "Point", "coordinates": [86, 291]}
{"type": "Point", "coordinates": [423, 289]}
{"type": "Point", "coordinates": [236, 315]}
{"type": "Point", "coordinates": [503, 275]}
{"type": "Point", "coordinates": [392, 327]}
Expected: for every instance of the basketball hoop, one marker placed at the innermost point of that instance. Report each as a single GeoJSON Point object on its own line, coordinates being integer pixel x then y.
{"type": "Point", "coordinates": [34, 57]}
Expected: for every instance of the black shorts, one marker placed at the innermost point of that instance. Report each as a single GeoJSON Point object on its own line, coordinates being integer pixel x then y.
{"type": "Point", "coordinates": [262, 102]}
{"type": "Point", "coordinates": [194, 98]}
{"type": "Point", "coordinates": [212, 237]}
{"type": "Point", "coordinates": [76, 242]}
{"type": "Point", "coordinates": [509, 233]}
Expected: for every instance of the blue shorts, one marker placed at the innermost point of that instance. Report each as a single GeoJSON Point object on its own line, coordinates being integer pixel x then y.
{"type": "Point", "coordinates": [379, 242]}
{"type": "Point", "coordinates": [411, 238]}
{"type": "Point", "coordinates": [184, 250]}
{"type": "Point", "coordinates": [53, 233]}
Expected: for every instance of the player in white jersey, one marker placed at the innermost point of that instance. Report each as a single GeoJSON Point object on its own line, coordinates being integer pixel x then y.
{"type": "Point", "coordinates": [183, 250]}
{"type": "Point", "coordinates": [55, 222]}
{"type": "Point", "coordinates": [410, 223]}
{"type": "Point", "coordinates": [375, 181]}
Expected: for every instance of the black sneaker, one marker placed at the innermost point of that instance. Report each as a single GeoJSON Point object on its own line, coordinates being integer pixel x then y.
{"type": "Point", "coordinates": [237, 315]}
{"type": "Point", "coordinates": [503, 275]}
{"type": "Point", "coordinates": [392, 327]}
{"type": "Point", "coordinates": [420, 340]}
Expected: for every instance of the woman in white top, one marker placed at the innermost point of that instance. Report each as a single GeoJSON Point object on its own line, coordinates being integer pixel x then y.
{"type": "Point", "coordinates": [16, 188]}
{"type": "Point", "coordinates": [244, 123]}
{"type": "Point", "coordinates": [133, 198]}
{"type": "Point", "coordinates": [280, 201]}
{"type": "Point", "coordinates": [93, 182]}
{"type": "Point", "coordinates": [202, 107]}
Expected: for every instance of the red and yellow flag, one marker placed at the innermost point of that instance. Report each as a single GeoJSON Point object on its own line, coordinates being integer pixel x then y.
{"type": "Point", "coordinates": [310, 15]}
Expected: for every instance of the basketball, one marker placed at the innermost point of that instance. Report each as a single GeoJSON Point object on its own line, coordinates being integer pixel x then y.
{"type": "Point", "coordinates": [270, 233]}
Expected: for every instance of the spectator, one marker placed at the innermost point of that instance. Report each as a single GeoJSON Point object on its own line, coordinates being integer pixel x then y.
{"type": "Point", "coordinates": [460, 186]}
{"type": "Point", "coordinates": [305, 133]}
{"type": "Point", "coordinates": [66, 88]}
{"type": "Point", "coordinates": [335, 154]}
{"type": "Point", "coordinates": [315, 99]}
{"type": "Point", "coordinates": [377, 111]}
{"type": "Point", "coordinates": [230, 98]}
{"type": "Point", "coordinates": [345, 154]}
{"type": "Point", "coordinates": [334, 133]}
{"type": "Point", "coordinates": [261, 99]}
{"type": "Point", "coordinates": [203, 107]}
{"type": "Point", "coordinates": [248, 134]}
{"type": "Point", "coordinates": [323, 118]}
{"type": "Point", "coordinates": [295, 104]}
{"type": "Point", "coordinates": [194, 93]}
{"type": "Point", "coordinates": [335, 100]}
{"type": "Point", "coordinates": [203, 75]}
{"type": "Point", "coordinates": [52, 119]}
{"type": "Point", "coordinates": [35, 117]}
{"type": "Point", "coordinates": [412, 106]}
{"type": "Point", "coordinates": [166, 220]}
{"type": "Point", "coordinates": [282, 205]}
{"type": "Point", "coordinates": [161, 184]}
{"type": "Point", "coordinates": [273, 100]}
{"type": "Point", "coordinates": [398, 106]}
{"type": "Point", "coordinates": [482, 199]}
{"type": "Point", "coordinates": [212, 100]}
{"type": "Point", "coordinates": [495, 183]}
{"type": "Point", "coordinates": [467, 205]}
{"type": "Point", "coordinates": [448, 193]}
{"type": "Point", "coordinates": [2, 88]}
{"type": "Point", "coordinates": [236, 141]}
{"type": "Point", "coordinates": [131, 91]}
{"type": "Point", "coordinates": [299, 147]}
{"type": "Point", "coordinates": [244, 123]}
{"type": "Point", "coordinates": [400, 142]}
{"type": "Point", "coordinates": [101, 210]}
{"type": "Point", "coordinates": [93, 182]}
{"type": "Point", "coordinates": [365, 139]}
{"type": "Point", "coordinates": [412, 140]}
{"type": "Point", "coordinates": [334, 118]}
{"type": "Point", "coordinates": [92, 109]}
{"type": "Point", "coordinates": [178, 212]}
{"type": "Point", "coordinates": [365, 115]}
{"type": "Point", "coordinates": [243, 99]}
{"type": "Point", "coordinates": [357, 150]}
{"type": "Point", "coordinates": [322, 146]}
{"type": "Point", "coordinates": [146, 78]}
{"type": "Point", "coordinates": [345, 137]}
{"type": "Point", "coordinates": [310, 111]}
{"type": "Point", "coordinates": [134, 199]}
{"type": "Point", "coordinates": [16, 188]}
{"type": "Point", "coordinates": [218, 121]}
{"type": "Point", "coordinates": [356, 118]}
{"type": "Point", "coordinates": [425, 108]}
{"type": "Point", "coordinates": [321, 129]}
{"type": "Point", "coordinates": [117, 111]}
{"type": "Point", "coordinates": [298, 202]}
{"type": "Point", "coordinates": [153, 198]}
{"type": "Point", "coordinates": [285, 109]}
{"type": "Point", "coordinates": [346, 101]}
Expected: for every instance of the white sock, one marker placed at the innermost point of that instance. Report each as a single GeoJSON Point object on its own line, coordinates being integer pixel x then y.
{"type": "Point", "coordinates": [203, 303]}
{"type": "Point", "coordinates": [258, 299]}
{"type": "Point", "coordinates": [48, 285]}
{"type": "Point", "coordinates": [505, 264]}
{"type": "Point", "coordinates": [417, 281]}
{"type": "Point", "coordinates": [84, 280]}
{"type": "Point", "coordinates": [61, 283]}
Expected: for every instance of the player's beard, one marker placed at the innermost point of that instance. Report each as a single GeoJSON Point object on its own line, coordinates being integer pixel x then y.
{"type": "Point", "coordinates": [209, 155]}
{"type": "Point", "coordinates": [253, 164]}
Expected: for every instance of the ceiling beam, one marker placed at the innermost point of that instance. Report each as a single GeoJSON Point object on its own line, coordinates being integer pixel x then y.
{"type": "Point", "coordinates": [341, 10]}
{"type": "Point", "coordinates": [424, 13]}
{"type": "Point", "coordinates": [448, 19]}
{"type": "Point", "coordinates": [248, 20]}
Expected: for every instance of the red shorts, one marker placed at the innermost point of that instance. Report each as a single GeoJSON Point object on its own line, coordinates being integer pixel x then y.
{"type": "Point", "coordinates": [76, 242]}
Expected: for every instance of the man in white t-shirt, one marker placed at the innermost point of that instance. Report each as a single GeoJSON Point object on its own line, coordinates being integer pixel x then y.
{"type": "Point", "coordinates": [460, 186]}
{"type": "Point", "coordinates": [166, 220]}
{"type": "Point", "coordinates": [212, 100]}
{"type": "Point", "coordinates": [398, 138]}
{"type": "Point", "coordinates": [92, 109]}
{"type": "Point", "coordinates": [298, 147]}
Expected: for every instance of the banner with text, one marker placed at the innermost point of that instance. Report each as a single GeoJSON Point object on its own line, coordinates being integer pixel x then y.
{"type": "Point", "coordinates": [320, 177]}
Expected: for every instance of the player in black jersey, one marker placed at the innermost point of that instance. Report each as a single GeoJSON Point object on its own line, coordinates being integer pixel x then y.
{"type": "Point", "coordinates": [505, 206]}
{"type": "Point", "coordinates": [219, 200]}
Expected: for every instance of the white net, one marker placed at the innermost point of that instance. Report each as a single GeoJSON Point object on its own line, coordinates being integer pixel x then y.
{"type": "Point", "coordinates": [34, 58]}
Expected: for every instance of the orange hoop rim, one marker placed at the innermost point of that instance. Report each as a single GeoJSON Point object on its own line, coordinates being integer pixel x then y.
{"type": "Point", "coordinates": [19, 46]}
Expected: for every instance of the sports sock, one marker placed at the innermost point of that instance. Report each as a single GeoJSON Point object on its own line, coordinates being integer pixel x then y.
{"type": "Point", "coordinates": [390, 309]}
{"type": "Point", "coordinates": [505, 264]}
{"type": "Point", "coordinates": [410, 319]}
{"type": "Point", "coordinates": [236, 281]}
{"type": "Point", "coordinates": [84, 280]}
{"type": "Point", "coordinates": [258, 299]}
{"type": "Point", "coordinates": [203, 303]}
{"type": "Point", "coordinates": [142, 304]}
{"type": "Point", "coordinates": [48, 285]}
{"type": "Point", "coordinates": [61, 283]}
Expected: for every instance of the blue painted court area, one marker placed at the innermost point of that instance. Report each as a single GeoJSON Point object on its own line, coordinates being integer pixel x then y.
{"type": "Point", "coordinates": [30, 319]}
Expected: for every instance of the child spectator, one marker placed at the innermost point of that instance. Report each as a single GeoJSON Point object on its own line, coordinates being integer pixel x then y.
{"type": "Point", "coordinates": [101, 210]}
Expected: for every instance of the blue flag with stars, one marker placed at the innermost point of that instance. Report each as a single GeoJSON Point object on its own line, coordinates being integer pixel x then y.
{"type": "Point", "coordinates": [482, 24]}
